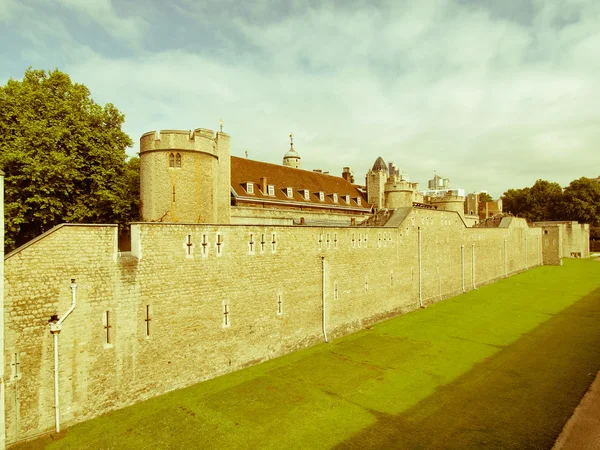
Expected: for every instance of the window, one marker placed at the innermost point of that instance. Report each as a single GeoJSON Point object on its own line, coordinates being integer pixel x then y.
{"type": "Point", "coordinates": [271, 189]}
{"type": "Point", "coordinates": [366, 283]}
{"type": "Point", "coordinates": [347, 199]}
{"type": "Point", "coordinates": [226, 315]}
{"type": "Point", "coordinates": [306, 194]}
{"type": "Point", "coordinates": [321, 196]}
{"type": "Point", "coordinates": [251, 244]}
{"type": "Point", "coordinates": [188, 246]}
{"type": "Point", "coordinates": [108, 332]}
{"type": "Point", "coordinates": [335, 198]}
{"type": "Point", "coordinates": [205, 245]}
{"type": "Point", "coordinates": [273, 242]}
{"type": "Point", "coordinates": [250, 188]}
{"type": "Point", "coordinates": [171, 160]}
{"type": "Point", "coordinates": [219, 244]}
{"type": "Point", "coordinates": [358, 201]}
{"type": "Point", "coordinates": [15, 372]}
{"type": "Point", "coordinates": [289, 192]}
{"type": "Point", "coordinates": [279, 304]}
{"type": "Point", "coordinates": [173, 194]}
{"type": "Point", "coordinates": [335, 290]}
{"type": "Point", "coordinates": [148, 320]}
{"type": "Point", "coordinates": [262, 242]}
{"type": "Point", "coordinates": [178, 160]}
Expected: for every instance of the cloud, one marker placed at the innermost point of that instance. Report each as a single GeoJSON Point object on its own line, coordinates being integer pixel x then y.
{"type": "Point", "coordinates": [491, 98]}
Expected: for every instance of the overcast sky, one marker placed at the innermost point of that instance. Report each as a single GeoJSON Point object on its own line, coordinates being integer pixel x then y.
{"type": "Point", "coordinates": [492, 94]}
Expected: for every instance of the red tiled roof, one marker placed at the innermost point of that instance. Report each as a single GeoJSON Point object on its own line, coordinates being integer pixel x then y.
{"type": "Point", "coordinates": [281, 177]}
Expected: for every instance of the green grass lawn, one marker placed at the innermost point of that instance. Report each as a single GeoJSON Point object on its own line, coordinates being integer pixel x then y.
{"type": "Point", "coordinates": [500, 367]}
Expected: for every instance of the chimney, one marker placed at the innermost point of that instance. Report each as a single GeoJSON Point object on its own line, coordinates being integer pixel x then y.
{"type": "Point", "coordinates": [346, 175]}
{"type": "Point", "coordinates": [263, 185]}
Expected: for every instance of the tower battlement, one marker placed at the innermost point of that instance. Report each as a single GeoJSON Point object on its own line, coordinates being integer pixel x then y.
{"type": "Point", "coordinates": [199, 139]}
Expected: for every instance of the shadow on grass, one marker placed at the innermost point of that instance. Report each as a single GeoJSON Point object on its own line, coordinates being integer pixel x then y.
{"type": "Point", "coordinates": [520, 398]}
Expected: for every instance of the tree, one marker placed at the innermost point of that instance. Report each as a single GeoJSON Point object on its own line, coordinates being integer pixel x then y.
{"type": "Point", "coordinates": [544, 200]}
{"type": "Point", "coordinates": [516, 201]}
{"type": "Point", "coordinates": [538, 203]}
{"type": "Point", "coordinates": [581, 201]}
{"type": "Point", "coordinates": [63, 156]}
{"type": "Point", "coordinates": [484, 197]}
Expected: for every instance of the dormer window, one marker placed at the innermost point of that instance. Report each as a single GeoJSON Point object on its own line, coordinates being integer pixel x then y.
{"type": "Point", "coordinates": [358, 201]}
{"type": "Point", "coordinates": [289, 192]}
{"type": "Point", "coordinates": [250, 188]}
{"type": "Point", "coordinates": [335, 198]}
{"type": "Point", "coordinates": [321, 196]}
{"type": "Point", "coordinates": [306, 194]}
{"type": "Point", "coordinates": [347, 199]}
{"type": "Point", "coordinates": [271, 189]}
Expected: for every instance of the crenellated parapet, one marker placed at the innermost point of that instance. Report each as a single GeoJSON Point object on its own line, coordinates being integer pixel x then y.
{"type": "Point", "coordinates": [185, 176]}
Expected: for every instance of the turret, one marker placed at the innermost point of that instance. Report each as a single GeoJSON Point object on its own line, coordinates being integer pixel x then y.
{"type": "Point", "coordinates": [401, 193]}
{"type": "Point", "coordinates": [291, 158]}
{"type": "Point", "coordinates": [376, 178]}
{"type": "Point", "coordinates": [185, 176]}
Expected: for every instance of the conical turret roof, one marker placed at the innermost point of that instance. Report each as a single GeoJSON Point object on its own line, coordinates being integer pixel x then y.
{"type": "Point", "coordinates": [379, 164]}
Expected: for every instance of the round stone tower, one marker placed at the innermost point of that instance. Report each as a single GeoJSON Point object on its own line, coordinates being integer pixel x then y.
{"type": "Point", "coordinates": [399, 193]}
{"type": "Point", "coordinates": [291, 158]}
{"type": "Point", "coordinates": [449, 202]}
{"type": "Point", "coordinates": [185, 176]}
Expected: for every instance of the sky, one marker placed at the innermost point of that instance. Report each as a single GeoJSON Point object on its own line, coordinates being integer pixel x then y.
{"type": "Point", "coordinates": [492, 94]}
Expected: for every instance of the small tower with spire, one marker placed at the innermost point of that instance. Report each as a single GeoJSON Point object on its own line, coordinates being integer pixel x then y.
{"type": "Point", "coordinates": [291, 158]}
{"type": "Point", "coordinates": [376, 178]}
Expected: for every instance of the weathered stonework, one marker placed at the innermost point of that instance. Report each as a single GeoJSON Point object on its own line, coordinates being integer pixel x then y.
{"type": "Point", "coordinates": [182, 286]}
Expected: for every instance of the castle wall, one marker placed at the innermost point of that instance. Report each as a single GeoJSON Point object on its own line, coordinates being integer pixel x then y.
{"type": "Point", "coordinates": [364, 274]}
{"type": "Point", "coordinates": [575, 237]}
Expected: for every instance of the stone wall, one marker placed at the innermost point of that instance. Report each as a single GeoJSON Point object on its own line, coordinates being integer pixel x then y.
{"type": "Point", "coordinates": [180, 314]}
{"type": "Point", "coordinates": [575, 237]}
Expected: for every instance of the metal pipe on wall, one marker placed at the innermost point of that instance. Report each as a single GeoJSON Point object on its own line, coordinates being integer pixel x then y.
{"type": "Point", "coordinates": [55, 328]}
{"type": "Point", "coordinates": [473, 264]}
{"type": "Point", "coordinates": [323, 297]}
{"type": "Point", "coordinates": [505, 260]}
{"type": "Point", "coordinates": [462, 259]}
{"type": "Point", "coordinates": [420, 269]}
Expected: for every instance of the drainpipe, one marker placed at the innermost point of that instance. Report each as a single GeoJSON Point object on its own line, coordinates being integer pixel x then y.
{"type": "Point", "coordinates": [526, 260]}
{"type": "Point", "coordinates": [473, 264]}
{"type": "Point", "coordinates": [505, 260]}
{"type": "Point", "coordinates": [462, 259]}
{"type": "Point", "coordinates": [323, 297]}
{"type": "Point", "coordinates": [420, 269]}
{"type": "Point", "coordinates": [55, 328]}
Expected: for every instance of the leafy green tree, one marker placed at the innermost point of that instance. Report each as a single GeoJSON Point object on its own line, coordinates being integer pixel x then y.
{"type": "Point", "coordinates": [485, 197]}
{"type": "Point", "coordinates": [132, 179]}
{"type": "Point", "coordinates": [581, 201]}
{"type": "Point", "coordinates": [63, 156]}
{"type": "Point", "coordinates": [516, 201]}
{"type": "Point", "coordinates": [544, 201]}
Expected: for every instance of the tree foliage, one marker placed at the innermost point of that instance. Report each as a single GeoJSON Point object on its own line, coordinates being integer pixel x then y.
{"type": "Point", "coordinates": [484, 197]}
{"type": "Point", "coordinates": [579, 201]}
{"type": "Point", "coordinates": [63, 156]}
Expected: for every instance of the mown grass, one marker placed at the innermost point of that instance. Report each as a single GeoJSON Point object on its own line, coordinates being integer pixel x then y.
{"type": "Point", "coordinates": [500, 367]}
